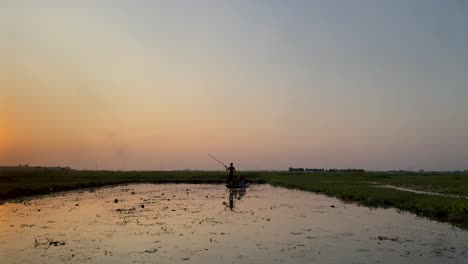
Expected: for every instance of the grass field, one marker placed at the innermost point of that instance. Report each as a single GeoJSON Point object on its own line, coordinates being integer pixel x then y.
{"type": "Point", "coordinates": [363, 188]}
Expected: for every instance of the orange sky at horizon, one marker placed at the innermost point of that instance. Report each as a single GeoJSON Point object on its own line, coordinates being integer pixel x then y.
{"type": "Point", "coordinates": [159, 85]}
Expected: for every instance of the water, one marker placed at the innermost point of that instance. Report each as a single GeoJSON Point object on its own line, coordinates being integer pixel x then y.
{"type": "Point", "coordinates": [196, 224]}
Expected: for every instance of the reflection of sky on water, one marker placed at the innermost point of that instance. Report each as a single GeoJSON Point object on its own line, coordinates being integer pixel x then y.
{"type": "Point", "coordinates": [170, 223]}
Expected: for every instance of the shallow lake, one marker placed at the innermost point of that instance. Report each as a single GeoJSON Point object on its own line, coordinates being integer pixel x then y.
{"type": "Point", "coordinates": [182, 223]}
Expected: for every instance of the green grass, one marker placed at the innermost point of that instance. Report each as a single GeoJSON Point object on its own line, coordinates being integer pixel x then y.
{"type": "Point", "coordinates": [357, 187]}
{"type": "Point", "coordinates": [22, 183]}
{"type": "Point", "coordinates": [454, 183]}
{"type": "Point", "coordinates": [362, 188]}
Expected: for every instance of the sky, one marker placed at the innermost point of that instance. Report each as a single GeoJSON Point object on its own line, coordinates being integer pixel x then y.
{"type": "Point", "coordinates": [157, 85]}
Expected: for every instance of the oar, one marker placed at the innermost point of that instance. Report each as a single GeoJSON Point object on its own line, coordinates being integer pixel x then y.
{"type": "Point", "coordinates": [217, 160]}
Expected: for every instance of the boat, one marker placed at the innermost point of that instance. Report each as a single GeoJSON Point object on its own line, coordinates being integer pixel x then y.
{"type": "Point", "coordinates": [235, 186]}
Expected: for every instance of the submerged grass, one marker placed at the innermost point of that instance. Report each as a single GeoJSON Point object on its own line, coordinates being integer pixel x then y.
{"type": "Point", "coordinates": [363, 188]}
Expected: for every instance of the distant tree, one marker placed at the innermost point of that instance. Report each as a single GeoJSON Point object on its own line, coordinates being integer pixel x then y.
{"type": "Point", "coordinates": [291, 169]}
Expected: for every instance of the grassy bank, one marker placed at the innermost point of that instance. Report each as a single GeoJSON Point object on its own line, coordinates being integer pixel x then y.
{"type": "Point", "coordinates": [363, 188]}
{"type": "Point", "coordinates": [16, 184]}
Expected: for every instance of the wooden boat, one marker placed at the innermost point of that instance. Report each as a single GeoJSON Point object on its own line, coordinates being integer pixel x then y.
{"type": "Point", "coordinates": [235, 186]}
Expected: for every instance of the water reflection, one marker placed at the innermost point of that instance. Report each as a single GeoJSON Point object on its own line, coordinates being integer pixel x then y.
{"type": "Point", "coordinates": [181, 223]}
{"type": "Point", "coordinates": [236, 194]}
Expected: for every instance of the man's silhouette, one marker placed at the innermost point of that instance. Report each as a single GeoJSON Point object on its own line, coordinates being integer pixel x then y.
{"type": "Point", "coordinates": [231, 170]}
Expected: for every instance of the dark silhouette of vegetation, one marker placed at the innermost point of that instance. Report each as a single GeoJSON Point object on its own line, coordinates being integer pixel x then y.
{"type": "Point", "coordinates": [291, 169]}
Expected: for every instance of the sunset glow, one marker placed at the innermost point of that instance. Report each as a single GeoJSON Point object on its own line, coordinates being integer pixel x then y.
{"type": "Point", "coordinates": [160, 84]}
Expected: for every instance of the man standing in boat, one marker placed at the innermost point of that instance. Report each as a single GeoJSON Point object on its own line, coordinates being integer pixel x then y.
{"type": "Point", "coordinates": [231, 170]}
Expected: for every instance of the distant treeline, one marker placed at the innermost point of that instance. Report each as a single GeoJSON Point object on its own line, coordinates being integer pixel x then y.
{"type": "Point", "coordinates": [291, 169]}
{"type": "Point", "coordinates": [33, 169]}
